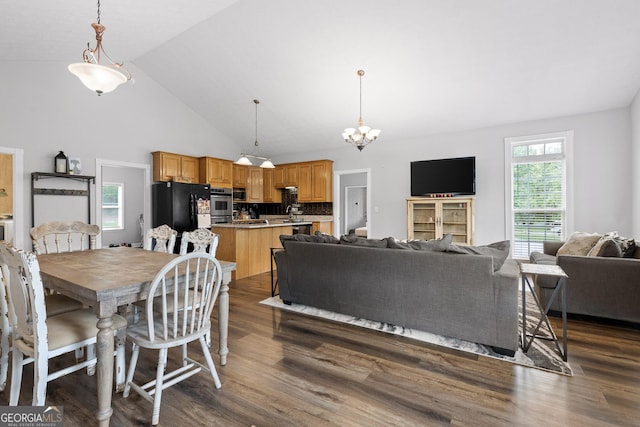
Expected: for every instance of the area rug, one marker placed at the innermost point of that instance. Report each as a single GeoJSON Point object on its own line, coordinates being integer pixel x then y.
{"type": "Point", "coordinates": [541, 355]}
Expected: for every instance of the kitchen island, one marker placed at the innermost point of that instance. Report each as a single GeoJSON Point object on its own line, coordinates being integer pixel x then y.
{"type": "Point", "coordinates": [248, 243]}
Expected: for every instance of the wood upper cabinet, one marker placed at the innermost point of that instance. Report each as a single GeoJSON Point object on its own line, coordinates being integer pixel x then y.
{"type": "Point", "coordinates": [215, 172]}
{"type": "Point", "coordinates": [239, 173]}
{"type": "Point", "coordinates": [315, 181]}
{"type": "Point", "coordinates": [286, 175]}
{"type": "Point", "coordinates": [175, 167]}
{"type": "Point", "coordinates": [255, 184]}
{"type": "Point", "coordinates": [271, 194]}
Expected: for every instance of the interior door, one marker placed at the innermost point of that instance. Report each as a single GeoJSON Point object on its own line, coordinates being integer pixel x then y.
{"type": "Point", "coordinates": [355, 208]}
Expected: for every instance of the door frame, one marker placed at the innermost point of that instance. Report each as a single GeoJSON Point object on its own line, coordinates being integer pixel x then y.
{"type": "Point", "coordinates": [337, 203]}
{"type": "Point", "coordinates": [18, 195]}
{"type": "Point", "coordinates": [147, 191]}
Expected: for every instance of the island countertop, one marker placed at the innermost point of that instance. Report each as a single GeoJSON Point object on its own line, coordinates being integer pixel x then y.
{"type": "Point", "coordinates": [249, 244]}
{"type": "Point", "coordinates": [264, 224]}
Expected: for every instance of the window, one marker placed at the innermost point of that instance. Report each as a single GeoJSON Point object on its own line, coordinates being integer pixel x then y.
{"type": "Point", "coordinates": [537, 169]}
{"type": "Point", "coordinates": [112, 206]}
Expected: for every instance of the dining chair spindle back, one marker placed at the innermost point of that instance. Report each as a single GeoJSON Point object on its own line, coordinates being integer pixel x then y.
{"type": "Point", "coordinates": [195, 277]}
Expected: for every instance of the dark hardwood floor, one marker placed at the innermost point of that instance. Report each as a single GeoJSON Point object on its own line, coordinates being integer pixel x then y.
{"type": "Point", "coordinates": [286, 369]}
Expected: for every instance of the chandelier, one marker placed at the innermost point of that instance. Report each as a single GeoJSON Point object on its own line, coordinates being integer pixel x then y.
{"type": "Point", "coordinates": [363, 135]}
{"type": "Point", "coordinates": [99, 77]}
{"type": "Point", "coordinates": [245, 158]}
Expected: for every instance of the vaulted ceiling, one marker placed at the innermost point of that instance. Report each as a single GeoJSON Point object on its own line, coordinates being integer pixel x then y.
{"type": "Point", "coordinates": [431, 66]}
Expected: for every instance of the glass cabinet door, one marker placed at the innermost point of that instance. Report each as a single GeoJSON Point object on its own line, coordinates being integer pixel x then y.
{"type": "Point", "coordinates": [424, 221]}
{"type": "Point", "coordinates": [455, 220]}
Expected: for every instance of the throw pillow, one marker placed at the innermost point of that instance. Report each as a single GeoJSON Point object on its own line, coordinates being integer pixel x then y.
{"type": "Point", "coordinates": [606, 247]}
{"type": "Point", "coordinates": [499, 251]}
{"type": "Point", "coordinates": [435, 245]}
{"type": "Point", "coordinates": [579, 243]}
{"type": "Point", "coordinates": [326, 238]}
{"type": "Point", "coordinates": [352, 239]}
{"type": "Point", "coordinates": [627, 245]}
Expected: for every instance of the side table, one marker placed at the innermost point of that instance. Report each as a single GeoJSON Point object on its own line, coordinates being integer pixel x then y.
{"type": "Point", "coordinates": [274, 279]}
{"type": "Point", "coordinates": [527, 271]}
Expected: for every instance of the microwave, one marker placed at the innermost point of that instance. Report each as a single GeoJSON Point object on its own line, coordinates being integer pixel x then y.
{"type": "Point", "coordinates": [239, 195]}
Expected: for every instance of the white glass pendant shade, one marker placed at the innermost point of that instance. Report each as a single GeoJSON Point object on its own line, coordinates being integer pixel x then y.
{"type": "Point", "coordinates": [349, 131]}
{"type": "Point", "coordinates": [373, 133]}
{"type": "Point", "coordinates": [364, 129]}
{"type": "Point", "coordinates": [267, 164]}
{"type": "Point", "coordinates": [98, 78]}
{"type": "Point", "coordinates": [244, 161]}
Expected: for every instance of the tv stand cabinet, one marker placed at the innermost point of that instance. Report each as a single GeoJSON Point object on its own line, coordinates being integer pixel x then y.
{"type": "Point", "coordinates": [432, 217]}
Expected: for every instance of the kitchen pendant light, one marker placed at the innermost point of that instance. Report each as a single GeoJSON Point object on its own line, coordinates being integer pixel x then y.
{"type": "Point", "coordinates": [244, 159]}
{"type": "Point", "coordinates": [363, 135]}
{"type": "Point", "coordinates": [100, 78]}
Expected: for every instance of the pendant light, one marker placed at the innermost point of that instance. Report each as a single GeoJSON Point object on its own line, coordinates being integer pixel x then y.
{"type": "Point", "coordinates": [245, 160]}
{"type": "Point", "coordinates": [99, 77]}
{"type": "Point", "coordinates": [363, 135]}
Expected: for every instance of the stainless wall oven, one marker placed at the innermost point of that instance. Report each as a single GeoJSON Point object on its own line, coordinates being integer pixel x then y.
{"type": "Point", "coordinates": [221, 205]}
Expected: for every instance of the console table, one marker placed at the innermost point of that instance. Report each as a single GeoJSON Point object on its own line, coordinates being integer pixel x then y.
{"type": "Point", "coordinates": [527, 271]}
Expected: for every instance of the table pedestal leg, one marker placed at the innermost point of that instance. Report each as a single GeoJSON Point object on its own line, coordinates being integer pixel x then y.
{"type": "Point", "coordinates": [105, 369]}
{"type": "Point", "coordinates": [223, 320]}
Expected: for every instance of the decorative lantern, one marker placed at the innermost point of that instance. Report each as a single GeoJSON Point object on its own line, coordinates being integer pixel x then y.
{"type": "Point", "coordinates": [61, 163]}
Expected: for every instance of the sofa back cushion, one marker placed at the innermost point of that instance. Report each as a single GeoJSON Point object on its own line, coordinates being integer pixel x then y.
{"type": "Point", "coordinates": [436, 245]}
{"type": "Point", "coordinates": [499, 251]}
{"type": "Point", "coordinates": [352, 239]}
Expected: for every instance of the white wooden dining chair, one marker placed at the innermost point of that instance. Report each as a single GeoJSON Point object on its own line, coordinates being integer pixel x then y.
{"type": "Point", "coordinates": [38, 338]}
{"type": "Point", "coordinates": [202, 240]}
{"type": "Point", "coordinates": [197, 277]}
{"type": "Point", "coordinates": [63, 236]}
{"type": "Point", "coordinates": [55, 304]}
{"type": "Point", "coordinates": [160, 239]}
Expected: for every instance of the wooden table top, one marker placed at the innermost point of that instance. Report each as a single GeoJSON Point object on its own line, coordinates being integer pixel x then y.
{"type": "Point", "coordinates": [542, 269]}
{"type": "Point", "coordinates": [122, 274]}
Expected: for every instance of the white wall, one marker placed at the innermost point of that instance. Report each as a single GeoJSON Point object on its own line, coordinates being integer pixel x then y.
{"type": "Point", "coordinates": [45, 109]}
{"type": "Point", "coordinates": [635, 164]}
{"type": "Point", "coordinates": [602, 149]}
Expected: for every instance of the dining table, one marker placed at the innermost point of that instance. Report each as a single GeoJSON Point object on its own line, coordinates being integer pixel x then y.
{"type": "Point", "coordinates": [109, 278]}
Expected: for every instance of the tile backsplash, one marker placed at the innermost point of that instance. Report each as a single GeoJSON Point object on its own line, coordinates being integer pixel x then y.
{"type": "Point", "coordinates": [289, 197]}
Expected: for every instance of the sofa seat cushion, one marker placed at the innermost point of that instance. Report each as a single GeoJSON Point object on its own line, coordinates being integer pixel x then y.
{"type": "Point", "coordinates": [544, 259]}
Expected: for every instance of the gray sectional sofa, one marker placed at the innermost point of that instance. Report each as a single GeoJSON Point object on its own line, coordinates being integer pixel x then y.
{"type": "Point", "coordinates": [601, 286]}
{"type": "Point", "coordinates": [451, 294]}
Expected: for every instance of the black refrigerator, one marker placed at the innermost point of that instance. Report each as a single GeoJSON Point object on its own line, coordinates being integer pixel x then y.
{"type": "Point", "coordinates": [176, 204]}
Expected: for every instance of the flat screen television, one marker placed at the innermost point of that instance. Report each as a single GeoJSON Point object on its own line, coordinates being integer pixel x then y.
{"type": "Point", "coordinates": [450, 177]}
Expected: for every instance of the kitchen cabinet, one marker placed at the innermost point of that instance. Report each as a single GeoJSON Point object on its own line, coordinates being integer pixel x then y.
{"type": "Point", "coordinates": [255, 185]}
{"type": "Point", "coordinates": [286, 175]}
{"type": "Point", "coordinates": [249, 247]}
{"type": "Point", "coordinates": [239, 173]}
{"type": "Point", "coordinates": [271, 194]}
{"type": "Point", "coordinates": [215, 172]}
{"type": "Point", "coordinates": [325, 227]}
{"type": "Point", "coordinates": [315, 181]}
{"type": "Point", "coordinates": [431, 218]}
{"type": "Point", "coordinates": [175, 167]}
